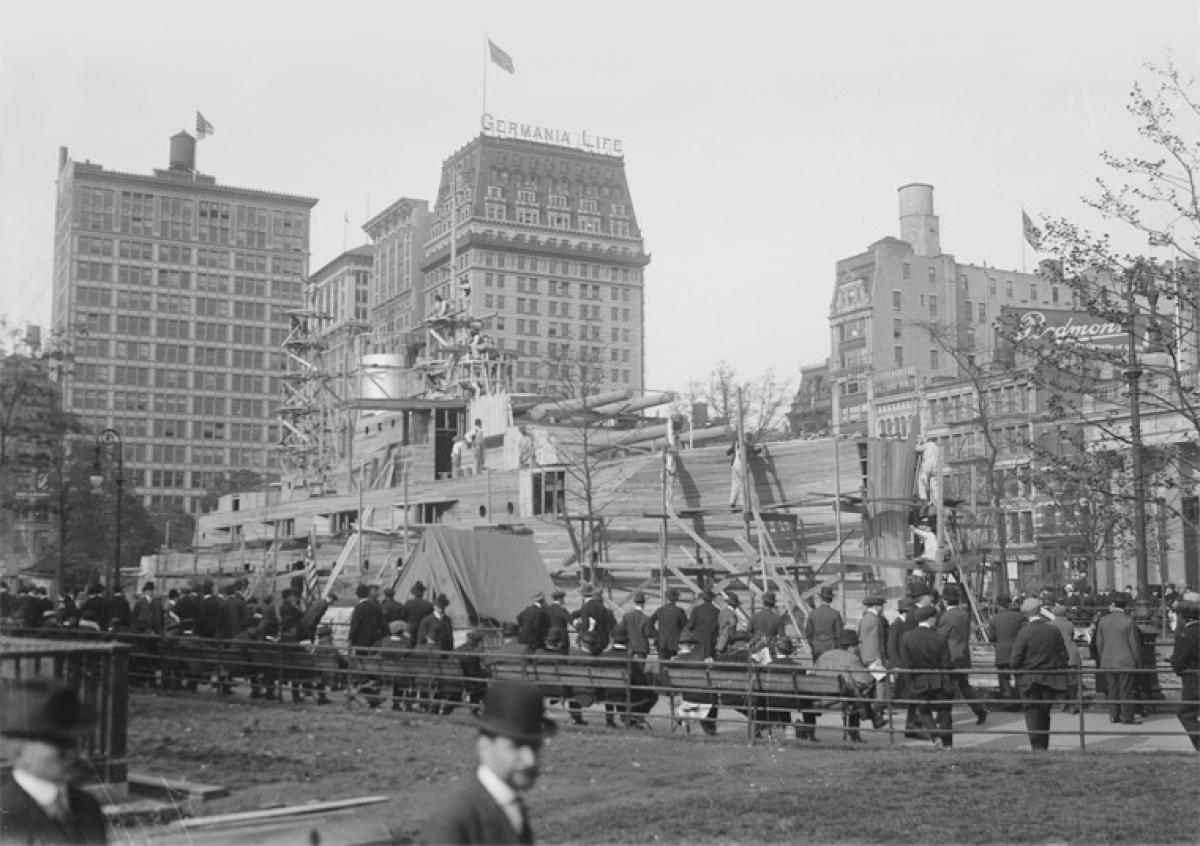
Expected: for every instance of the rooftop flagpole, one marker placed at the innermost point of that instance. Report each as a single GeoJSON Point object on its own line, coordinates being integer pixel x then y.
{"type": "Point", "coordinates": [486, 60]}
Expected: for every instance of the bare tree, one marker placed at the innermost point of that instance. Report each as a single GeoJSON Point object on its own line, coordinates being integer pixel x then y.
{"type": "Point", "coordinates": [764, 401]}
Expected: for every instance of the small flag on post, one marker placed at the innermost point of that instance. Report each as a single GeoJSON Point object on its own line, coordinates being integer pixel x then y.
{"type": "Point", "coordinates": [501, 58]}
{"type": "Point", "coordinates": [311, 579]}
{"type": "Point", "coordinates": [203, 127]}
{"type": "Point", "coordinates": [1032, 234]}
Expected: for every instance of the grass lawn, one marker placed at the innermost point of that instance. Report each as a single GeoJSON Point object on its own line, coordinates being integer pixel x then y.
{"type": "Point", "coordinates": [604, 786]}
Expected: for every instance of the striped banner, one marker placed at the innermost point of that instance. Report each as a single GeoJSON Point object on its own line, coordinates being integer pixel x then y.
{"type": "Point", "coordinates": [310, 571]}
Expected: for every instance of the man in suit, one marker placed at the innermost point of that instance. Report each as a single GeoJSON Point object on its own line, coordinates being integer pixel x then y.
{"type": "Point", "coordinates": [896, 629]}
{"type": "Point", "coordinates": [392, 610]}
{"type": "Point", "coordinates": [1038, 650]}
{"type": "Point", "coordinates": [489, 808]}
{"type": "Point", "coordinates": [766, 625]}
{"type": "Point", "coordinates": [39, 799]}
{"type": "Point", "coordinates": [209, 622]}
{"type": "Point", "coordinates": [594, 621]}
{"type": "Point", "coordinates": [956, 626]}
{"type": "Point", "coordinates": [925, 651]}
{"type": "Point", "coordinates": [437, 628]}
{"type": "Point", "coordinates": [824, 625]}
{"type": "Point", "coordinates": [1118, 650]}
{"type": "Point", "coordinates": [533, 623]}
{"type": "Point", "coordinates": [94, 608]}
{"type": "Point", "coordinates": [558, 621]}
{"type": "Point", "coordinates": [633, 628]}
{"type": "Point", "coordinates": [1002, 630]}
{"type": "Point", "coordinates": [703, 625]}
{"type": "Point", "coordinates": [872, 645]}
{"type": "Point", "coordinates": [366, 621]}
{"type": "Point", "coordinates": [148, 612]}
{"type": "Point", "coordinates": [233, 614]}
{"type": "Point", "coordinates": [1066, 630]}
{"type": "Point", "coordinates": [666, 625]}
{"type": "Point", "coordinates": [416, 609]}
{"type": "Point", "coordinates": [1185, 661]}
{"type": "Point", "coordinates": [187, 609]}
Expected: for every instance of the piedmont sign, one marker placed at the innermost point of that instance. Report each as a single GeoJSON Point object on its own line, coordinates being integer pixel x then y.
{"type": "Point", "coordinates": [581, 140]}
{"type": "Point", "coordinates": [1074, 326]}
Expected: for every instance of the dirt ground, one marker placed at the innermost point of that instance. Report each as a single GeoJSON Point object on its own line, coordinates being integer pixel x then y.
{"type": "Point", "coordinates": [603, 785]}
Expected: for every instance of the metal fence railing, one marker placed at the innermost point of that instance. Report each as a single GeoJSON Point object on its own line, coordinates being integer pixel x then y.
{"type": "Point", "coordinates": [774, 699]}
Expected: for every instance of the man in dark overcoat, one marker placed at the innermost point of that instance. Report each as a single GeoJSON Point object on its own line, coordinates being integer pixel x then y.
{"type": "Point", "coordinates": [955, 624]}
{"type": "Point", "coordinates": [1118, 650]}
{"type": "Point", "coordinates": [366, 621]}
{"type": "Point", "coordinates": [704, 624]}
{"type": "Point", "coordinates": [1040, 659]}
{"type": "Point", "coordinates": [1002, 630]}
{"type": "Point", "coordinates": [489, 807]}
{"type": "Point", "coordinates": [39, 799]}
{"type": "Point", "coordinates": [924, 650]}
{"type": "Point", "coordinates": [824, 625]}
{"type": "Point", "coordinates": [416, 609]}
{"type": "Point", "coordinates": [1185, 661]}
{"type": "Point", "coordinates": [533, 623]}
{"type": "Point", "coordinates": [558, 619]}
{"type": "Point", "coordinates": [666, 625]}
{"type": "Point", "coordinates": [594, 621]}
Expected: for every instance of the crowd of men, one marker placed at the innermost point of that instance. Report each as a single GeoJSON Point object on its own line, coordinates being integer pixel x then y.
{"type": "Point", "coordinates": [928, 639]}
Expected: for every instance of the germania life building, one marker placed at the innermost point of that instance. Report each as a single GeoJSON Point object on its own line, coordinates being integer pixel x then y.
{"type": "Point", "coordinates": [174, 293]}
{"type": "Point", "coordinates": [548, 255]}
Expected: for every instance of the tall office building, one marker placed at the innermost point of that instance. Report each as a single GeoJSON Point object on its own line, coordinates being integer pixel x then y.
{"type": "Point", "coordinates": [886, 300]}
{"type": "Point", "coordinates": [549, 255]}
{"type": "Point", "coordinates": [174, 291]}
{"type": "Point", "coordinates": [398, 234]}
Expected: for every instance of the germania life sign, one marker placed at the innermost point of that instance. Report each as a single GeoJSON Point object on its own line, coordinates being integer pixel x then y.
{"type": "Point", "coordinates": [581, 140]}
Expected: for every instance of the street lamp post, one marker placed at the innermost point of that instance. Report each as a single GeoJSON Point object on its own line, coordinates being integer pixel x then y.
{"type": "Point", "coordinates": [107, 438]}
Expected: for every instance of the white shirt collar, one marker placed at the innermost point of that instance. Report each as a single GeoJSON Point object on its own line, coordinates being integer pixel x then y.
{"type": "Point", "coordinates": [503, 795]}
{"type": "Point", "coordinates": [43, 791]}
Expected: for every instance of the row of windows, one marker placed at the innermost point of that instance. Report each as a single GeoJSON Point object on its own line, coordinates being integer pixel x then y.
{"type": "Point", "coordinates": [559, 267]}
{"type": "Point", "coordinates": [558, 220]}
{"type": "Point", "coordinates": [1009, 399]}
{"type": "Point", "coordinates": [182, 219]}
{"type": "Point", "coordinates": [184, 280]}
{"type": "Point", "coordinates": [164, 327]}
{"type": "Point", "coordinates": [95, 245]}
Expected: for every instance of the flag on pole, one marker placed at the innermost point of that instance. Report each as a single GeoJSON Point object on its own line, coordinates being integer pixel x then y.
{"type": "Point", "coordinates": [311, 579]}
{"type": "Point", "coordinates": [1032, 234]}
{"type": "Point", "coordinates": [501, 58]}
{"type": "Point", "coordinates": [203, 127]}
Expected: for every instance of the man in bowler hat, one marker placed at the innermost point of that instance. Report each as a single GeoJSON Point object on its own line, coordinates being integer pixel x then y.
{"type": "Point", "coordinates": [39, 799]}
{"type": "Point", "coordinates": [489, 809]}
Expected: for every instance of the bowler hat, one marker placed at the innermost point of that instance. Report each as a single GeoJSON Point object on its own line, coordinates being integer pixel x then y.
{"type": "Point", "coordinates": [875, 599]}
{"type": "Point", "coordinates": [442, 600]}
{"type": "Point", "coordinates": [827, 594]}
{"type": "Point", "coordinates": [672, 594]}
{"type": "Point", "coordinates": [950, 593]}
{"type": "Point", "coordinates": [707, 595]}
{"type": "Point", "coordinates": [925, 612]}
{"type": "Point", "coordinates": [44, 710]}
{"type": "Point", "coordinates": [847, 638]}
{"type": "Point", "coordinates": [362, 591]}
{"type": "Point", "coordinates": [557, 593]}
{"type": "Point", "coordinates": [148, 586]}
{"type": "Point", "coordinates": [768, 598]}
{"type": "Point", "coordinates": [418, 588]}
{"type": "Point", "coordinates": [587, 590]}
{"type": "Point", "coordinates": [639, 597]}
{"type": "Point", "coordinates": [514, 709]}
{"type": "Point", "coordinates": [919, 588]}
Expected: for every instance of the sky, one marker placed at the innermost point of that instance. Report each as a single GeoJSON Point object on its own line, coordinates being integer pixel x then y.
{"type": "Point", "coordinates": [763, 140]}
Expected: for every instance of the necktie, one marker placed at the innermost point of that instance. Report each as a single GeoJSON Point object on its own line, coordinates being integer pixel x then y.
{"type": "Point", "coordinates": [523, 816]}
{"type": "Point", "coordinates": [61, 807]}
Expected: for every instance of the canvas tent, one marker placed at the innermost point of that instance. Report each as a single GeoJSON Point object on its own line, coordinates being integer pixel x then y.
{"type": "Point", "coordinates": [485, 574]}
